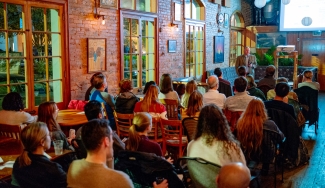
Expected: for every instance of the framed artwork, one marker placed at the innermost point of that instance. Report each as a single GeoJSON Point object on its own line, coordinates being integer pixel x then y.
{"type": "Point", "coordinates": [219, 51]}
{"type": "Point", "coordinates": [267, 40]}
{"type": "Point", "coordinates": [172, 46]}
{"type": "Point", "coordinates": [177, 16]}
{"type": "Point", "coordinates": [108, 4]}
{"type": "Point", "coordinates": [96, 55]}
{"type": "Point", "coordinates": [226, 23]}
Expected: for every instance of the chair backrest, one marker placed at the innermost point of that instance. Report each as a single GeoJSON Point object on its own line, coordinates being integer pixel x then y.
{"type": "Point", "coordinates": [171, 108]}
{"type": "Point", "coordinates": [123, 123]}
{"type": "Point", "coordinates": [203, 173]}
{"type": "Point", "coordinates": [155, 134]}
{"type": "Point", "coordinates": [232, 118]}
{"type": "Point", "coordinates": [172, 132]}
{"type": "Point", "coordinates": [264, 89]}
{"type": "Point", "coordinates": [289, 127]}
{"type": "Point", "coordinates": [309, 97]}
{"type": "Point", "coordinates": [12, 131]}
{"type": "Point", "coordinates": [270, 145]}
{"type": "Point", "coordinates": [190, 125]}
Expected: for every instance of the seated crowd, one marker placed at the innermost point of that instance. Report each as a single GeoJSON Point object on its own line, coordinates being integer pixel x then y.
{"type": "Point", "coordinates": [215, 140]}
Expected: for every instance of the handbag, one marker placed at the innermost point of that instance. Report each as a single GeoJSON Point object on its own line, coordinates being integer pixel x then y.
{"type": "Point", "coordinates": [300, 119]}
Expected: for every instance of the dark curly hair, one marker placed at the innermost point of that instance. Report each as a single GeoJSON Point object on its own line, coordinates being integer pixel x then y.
{"type": "Point", "coordinates": [13, 102]}
{"type": "Point", "coordinates": [213, 125]}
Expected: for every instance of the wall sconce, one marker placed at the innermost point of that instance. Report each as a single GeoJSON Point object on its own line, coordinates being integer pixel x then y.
{"type": "Point", "coordinates": [97, 15]}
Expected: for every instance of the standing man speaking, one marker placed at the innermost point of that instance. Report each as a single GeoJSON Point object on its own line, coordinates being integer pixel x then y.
{"type": "Point", "coordinates": [247, 60]}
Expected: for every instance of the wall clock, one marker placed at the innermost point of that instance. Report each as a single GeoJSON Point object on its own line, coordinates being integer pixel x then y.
{"type": "Point", "coordinates": [220, 18]}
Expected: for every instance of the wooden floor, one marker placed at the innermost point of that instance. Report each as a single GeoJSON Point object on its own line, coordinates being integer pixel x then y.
{"type": "Point", "coordinates": [311, 175]}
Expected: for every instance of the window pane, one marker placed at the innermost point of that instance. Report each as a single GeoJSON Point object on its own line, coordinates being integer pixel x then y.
{"type": "Point", "coordinates": [55, 90]}
{"type": "Point", "coordinates": [129, 4]}
{"type": "Point", "coordinates": [151, 61]}
{"type": "Point", "coordinates": [146, 5]}
{"type": "Point", "coordinates": [37, 19]}
{"type": "Point", "coordinates": [3, 66]}
{"type": "Point", "coordinates": [16, 44]}
{"type": "Point", "coordinates": [54, 68]}
{"type": "Point", "coordinates": [148, 29]}
{"type": "Point", "coordinates": [17, 66]}
{"type": "Point", "coordinates": [39, 69]}
{"type": "Point", "coordinates": [2, 18]}
{"type": "Point", "coordinates": [134, 45]}
{"type": "Point", "coordinates": [54, 45]}
{"type": "Point", "coordinates": [14, 17]}
{"type": "Point", "coordinates": [134, 27]}
{"type": "Point", "coordinates": [187, 9]}
{"type": "Point", "coordinates": [126, 62]}
{"type": "Point", "coordinates": [38, 40]}
{"type": "Point", "coordinates": [134, 62]}
{"type": "Point", "coordinates": [52, 20]}
{"type": "Point", "coordinates": [40, 93]}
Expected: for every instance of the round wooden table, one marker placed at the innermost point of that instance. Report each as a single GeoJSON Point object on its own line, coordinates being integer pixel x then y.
{"type": "Point", "coordinates": [71, 119]}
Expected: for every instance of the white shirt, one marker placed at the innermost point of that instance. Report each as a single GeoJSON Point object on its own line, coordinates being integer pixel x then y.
{"type": "Point", "coordinates": [216, 153]}
{"type": "Point", "coordinates": [16, 117]}
{"type": "Point", "coordinates": [214, 97]}
{"type": "Point", "coordinates": [238, 102]}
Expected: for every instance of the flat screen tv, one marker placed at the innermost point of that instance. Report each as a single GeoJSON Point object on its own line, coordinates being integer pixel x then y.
{"type": "Point", "coordinates": [302, 15]}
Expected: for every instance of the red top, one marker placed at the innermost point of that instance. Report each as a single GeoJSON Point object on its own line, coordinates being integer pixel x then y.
{"type": "Point", "coordinates": [155, 108]}
{"type": "Point", "coordinates": [149, 146]}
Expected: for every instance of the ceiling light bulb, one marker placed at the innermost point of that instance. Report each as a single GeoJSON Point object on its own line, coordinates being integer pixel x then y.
{"type": "Point", "coordinates": [103, 22]}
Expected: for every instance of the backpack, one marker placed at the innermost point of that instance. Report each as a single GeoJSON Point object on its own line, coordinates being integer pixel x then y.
{"type": "Point", "coordinates": [303, 156]}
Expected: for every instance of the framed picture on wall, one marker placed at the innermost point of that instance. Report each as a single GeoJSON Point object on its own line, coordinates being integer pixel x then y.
{"type": "Point", "coordinates": [172, 46]}
{"type": "Point", "coordinates": [219, 50]}
{"type": "Point", "coordinates": [108, 3]}
{"type": "Point", "coordinates": [96, 55]}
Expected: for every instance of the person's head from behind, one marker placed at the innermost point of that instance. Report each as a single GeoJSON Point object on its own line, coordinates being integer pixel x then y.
{"type": "Point", "coordinates": [247, 50]}
{"type": "Point", "coordinates": [212, 124]}
{"type": "Point", "coordinates": [190, 86]}
{"type": "Point", "coordinates": [34, 137]}
{"type": "Point", "coordinates": [250, 126]}
{"type": "Point", "coordinates": [308, 75]}
{"type": "Point", "coordinates": [282, 89]}
{"type": "Point", "coordinates": [99, 81]}
{"type": "Point", "coordinates": [96, 135]}
{"type": "Point", "coordinates": [213, 82]}
{"type": "Point", "coordinates": [195, 103]}
{"type": "Point", "coordinates": [250, 82]}
{"type": "Point", "coordinates": [125, 85]}
{"type": "Point", "coordinates": [93, 110]}
{"type": "Point", "coordinates": [93, 76]}
{"type": "Point", "coordinates": [242, 71]}
{"type": "Point", "coordinates": [233, 175]}
{"type": "Point", "coordinates": [270, 70]}
{"type": "Point", "coordinates": [282, 79]}
{"type": "Point", "coordinates": [166, 84]}
{"type": "Point", "coordinates": [13, 102]}
{"type": "Point", "coordinates": [150, 98]}
{"type": "Point", "coordinates": [240, 84]}
{"type": "Point", "coordinates": [218, 72]}
{"type": "Point", "coordinates": [47, 113]}
{"type": "Point", "coordinates": [141, 124]}
{"type": "Point", "coordinates": [146, 87]}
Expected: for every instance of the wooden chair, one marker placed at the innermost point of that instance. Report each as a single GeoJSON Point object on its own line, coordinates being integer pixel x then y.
{"type": "Point", "coordinates": [173, 136]}
{"type": "Point", "coordinates": [155, 134]}
{"type": "Point", "coordinates": [123, 123]}
{"type": "Point", "coordinates": [171, 108]}
{"type": "Point", "coordinates": [232, 118]}
{"type": "Point", "coordinates": [10, 131]}
{"type": "Point", "coordinates": [190, 125]}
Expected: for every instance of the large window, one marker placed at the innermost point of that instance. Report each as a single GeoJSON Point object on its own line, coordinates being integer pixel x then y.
{"type": "Point", "coordinates": [140, 5]}
{"type": "Point", "coordinates": [194, 38]}
{"type": "Point", "coordinates": [139, 49]}
{"type": "Point", "coordinates": [194, 50]}
{"type": "Point", "coordinates": [236, 37]}
{"type": "Point", "coordinates": [31, 52]}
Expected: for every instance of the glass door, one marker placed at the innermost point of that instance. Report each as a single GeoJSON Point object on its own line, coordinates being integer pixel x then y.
{"type": "Point", "coordinates": [139, 49]}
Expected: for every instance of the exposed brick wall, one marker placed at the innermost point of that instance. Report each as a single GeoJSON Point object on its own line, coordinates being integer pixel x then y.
{"type": "Point", "coordinates": [83, 25]}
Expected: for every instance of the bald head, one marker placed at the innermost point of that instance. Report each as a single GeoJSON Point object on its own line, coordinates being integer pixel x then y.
{"type": "Point", "coordinates": [213, 82]}
{"type": "Point", "coordinates": [234, 175]}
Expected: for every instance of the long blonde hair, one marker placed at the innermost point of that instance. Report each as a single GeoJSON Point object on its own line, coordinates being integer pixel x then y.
{"type": "Point", "coordinates": [250, 126]}
{"type": "Point", "coordinates": [140, 123]}
{"type": "Point", "coordinates": [31, 137]}
{"type": "Point", "coordinates": [150, 98]}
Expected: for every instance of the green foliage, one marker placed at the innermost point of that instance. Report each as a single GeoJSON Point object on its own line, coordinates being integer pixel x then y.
{"type": "Point", "coordinates": [268, 59]}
